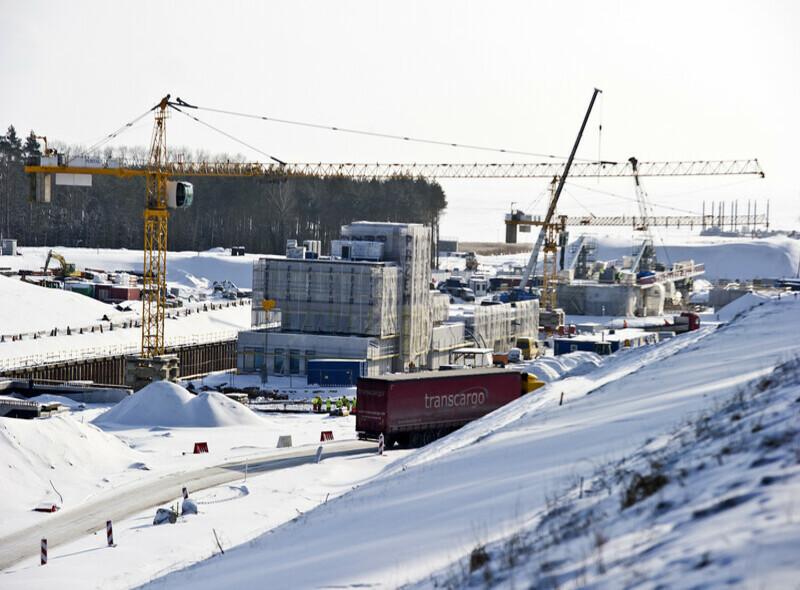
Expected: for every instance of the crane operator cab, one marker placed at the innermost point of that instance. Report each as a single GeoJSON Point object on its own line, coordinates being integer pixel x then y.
{"type": "Point", "coordinates": [179, 194]}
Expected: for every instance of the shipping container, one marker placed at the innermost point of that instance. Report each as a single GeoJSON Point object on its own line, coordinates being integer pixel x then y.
{"type": "Point", "coordinates": [103, 292]}
{"type": "Point", "coordinates": [335, 372]}
{"type": "Point", "coordinates": [80, 287]}
{"type": "Point", "coordinates": [119, 293]}
{"type": "Point", "coordinates": [415, 409]}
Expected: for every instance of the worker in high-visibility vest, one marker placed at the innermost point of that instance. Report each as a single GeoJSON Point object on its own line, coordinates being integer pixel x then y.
{"type": "Point", "coordinates": [328, 404]}
{"type": "Point", "coordinates": [345, 402]}
{"type": "Point", "coordinates": [339, 404]}
{"type": "Point", "coordinates": [353, 409]}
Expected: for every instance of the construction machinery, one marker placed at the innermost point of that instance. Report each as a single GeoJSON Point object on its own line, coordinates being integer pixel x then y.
{"type": "Point", "coordinates": [547, 235]}
{"type": "Point", "coordinates": [165, 192]}
{"type": "Point", "coordinates": [67, 268]}
{"type": "Point", "coordinates": [553, 232]}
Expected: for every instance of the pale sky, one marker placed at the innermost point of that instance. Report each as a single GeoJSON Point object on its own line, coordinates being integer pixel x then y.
{"type": "Point", "coordinates": [680, 81]}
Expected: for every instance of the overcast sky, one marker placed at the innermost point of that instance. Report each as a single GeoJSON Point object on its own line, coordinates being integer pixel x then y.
{"type": "Point", "coordinates": [680, 81]}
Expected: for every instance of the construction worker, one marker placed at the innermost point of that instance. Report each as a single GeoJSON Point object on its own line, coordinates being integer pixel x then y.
{"type": "Point", "coordinates": [353, 409]}
{"type": "Point", "coordinates": [345, 402]}
{"type": "Point", "coordinates": [328, 404]}
{"type": "Point", "coordinates": [339, 404]}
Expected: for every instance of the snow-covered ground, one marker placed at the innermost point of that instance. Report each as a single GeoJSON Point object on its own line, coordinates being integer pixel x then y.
{"type": "Point", "coordinates": [498, 503]}
{"type": "Point", "coordinates": [742, 259]}
{"type": "Point", "coordinates": [27, 310]}
{"type": "Point", "coordinates": [495, 478]}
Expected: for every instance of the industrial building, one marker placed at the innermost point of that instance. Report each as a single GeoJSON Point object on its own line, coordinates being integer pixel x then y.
{"type": "Point", "coordinates": [370, 300]}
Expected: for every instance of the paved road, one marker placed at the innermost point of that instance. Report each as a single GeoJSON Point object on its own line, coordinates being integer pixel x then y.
{"type": "Point", "coordinates": [71, 524]}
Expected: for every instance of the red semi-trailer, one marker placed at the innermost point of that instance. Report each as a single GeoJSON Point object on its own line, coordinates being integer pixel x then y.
{"type": "Point", "coordinates": [415, 409]}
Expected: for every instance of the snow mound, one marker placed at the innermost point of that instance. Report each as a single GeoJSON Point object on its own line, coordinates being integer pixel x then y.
{"type": "Point", "coordinates": [741, 305]}
{"type": "Point", "coordinates": [72, 455]}
{"type": "Point", "coordinates": [550, 368]}
{"type": "Point", "coordinates": [170, 405]}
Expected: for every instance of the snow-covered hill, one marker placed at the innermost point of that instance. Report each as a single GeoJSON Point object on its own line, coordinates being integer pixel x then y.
{"type": "Point", "coordinates": [500, 476]}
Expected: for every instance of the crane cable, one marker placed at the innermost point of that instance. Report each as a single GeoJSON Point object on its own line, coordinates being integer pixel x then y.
{"type": "Point", "coordinates": [116, 133]}
{"type": "Point", "coordinates": [228, 135]}
{"type": "Point", "coordinates": [378, 134]}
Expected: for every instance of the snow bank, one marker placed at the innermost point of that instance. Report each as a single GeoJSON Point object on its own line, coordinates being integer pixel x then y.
{"type": "Point", "coordinates": [31, 308]}
{"type": "Point", "coordinates": [61, 450]}
{"type": "Point", "coordinates": [741, 259]}
{"type": "Point", "coordinates": [550, 368]}
{"type": "Point", "coordinates": [741, 305]}
{"type": "Point", "coordinates": [169, 405]}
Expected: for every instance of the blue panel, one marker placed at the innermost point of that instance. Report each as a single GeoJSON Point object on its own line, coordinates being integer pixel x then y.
{"type": "Point", "coordinates": [335, 372]}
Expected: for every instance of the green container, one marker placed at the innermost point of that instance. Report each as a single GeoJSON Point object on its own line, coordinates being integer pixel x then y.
{"type": "Point", "coordinates": [82, 288]}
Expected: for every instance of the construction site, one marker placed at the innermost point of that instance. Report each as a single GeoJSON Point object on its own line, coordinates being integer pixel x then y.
{"type": "Point", "coordinates": [375, 297]}
{"type": "Point", "coordinates": [370, 300]}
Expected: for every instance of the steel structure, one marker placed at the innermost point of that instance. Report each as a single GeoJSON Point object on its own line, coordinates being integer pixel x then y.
{"type": "Point", "coordinates": [154, 286]}
{"type": "Point", "coordinates": [368, 171]}
{"type": "Point", "coordinates": [158, 171]}
{"type": "Point", "coordinates": [657, 220]}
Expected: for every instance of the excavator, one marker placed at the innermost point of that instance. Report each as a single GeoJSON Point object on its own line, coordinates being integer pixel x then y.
{"type": "Point", "coordinates": [67, 268]}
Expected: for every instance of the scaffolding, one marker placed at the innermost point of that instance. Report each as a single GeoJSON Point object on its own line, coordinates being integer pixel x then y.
{"type": "Point", "coordinates": [526, 318]}
{"type": "Point", "coordinates": [498, 326]}
{"type": "Point", "coordinates": [329, 297]}
{"type": "Point", "coordinates": [440, 307]}
{"type": "Point", "coordinates": [409, 246]}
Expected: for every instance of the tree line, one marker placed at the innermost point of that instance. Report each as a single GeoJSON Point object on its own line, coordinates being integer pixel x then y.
{"type": "Point", "coordinates": [257, 213]}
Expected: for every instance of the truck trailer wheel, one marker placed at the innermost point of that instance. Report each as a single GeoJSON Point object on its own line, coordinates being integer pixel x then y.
{"type": "Point", "coordinates": [415, 439]}
{"type": "Point", "coordinates": [428, 437]}
{"type": "Point", "coordinates": [441, 433]}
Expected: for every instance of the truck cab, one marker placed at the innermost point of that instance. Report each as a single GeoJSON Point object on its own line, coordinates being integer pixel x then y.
{"type": "Point", "coordinates": [531, 347]}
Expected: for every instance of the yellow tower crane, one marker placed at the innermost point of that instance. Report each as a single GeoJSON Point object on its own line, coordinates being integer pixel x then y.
{"type": "Point", "coordinates": [164, 194]}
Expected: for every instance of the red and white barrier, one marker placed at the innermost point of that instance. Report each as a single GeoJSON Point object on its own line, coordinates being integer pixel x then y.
{"type": "Point", "coordinates": [44, 551]}
{"type": "Point", "coordinates": [380, 444]}
{"type": "Point", "coordinates": [185, 494]}
{"type": "Point", "coordinates": [109, 534]}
